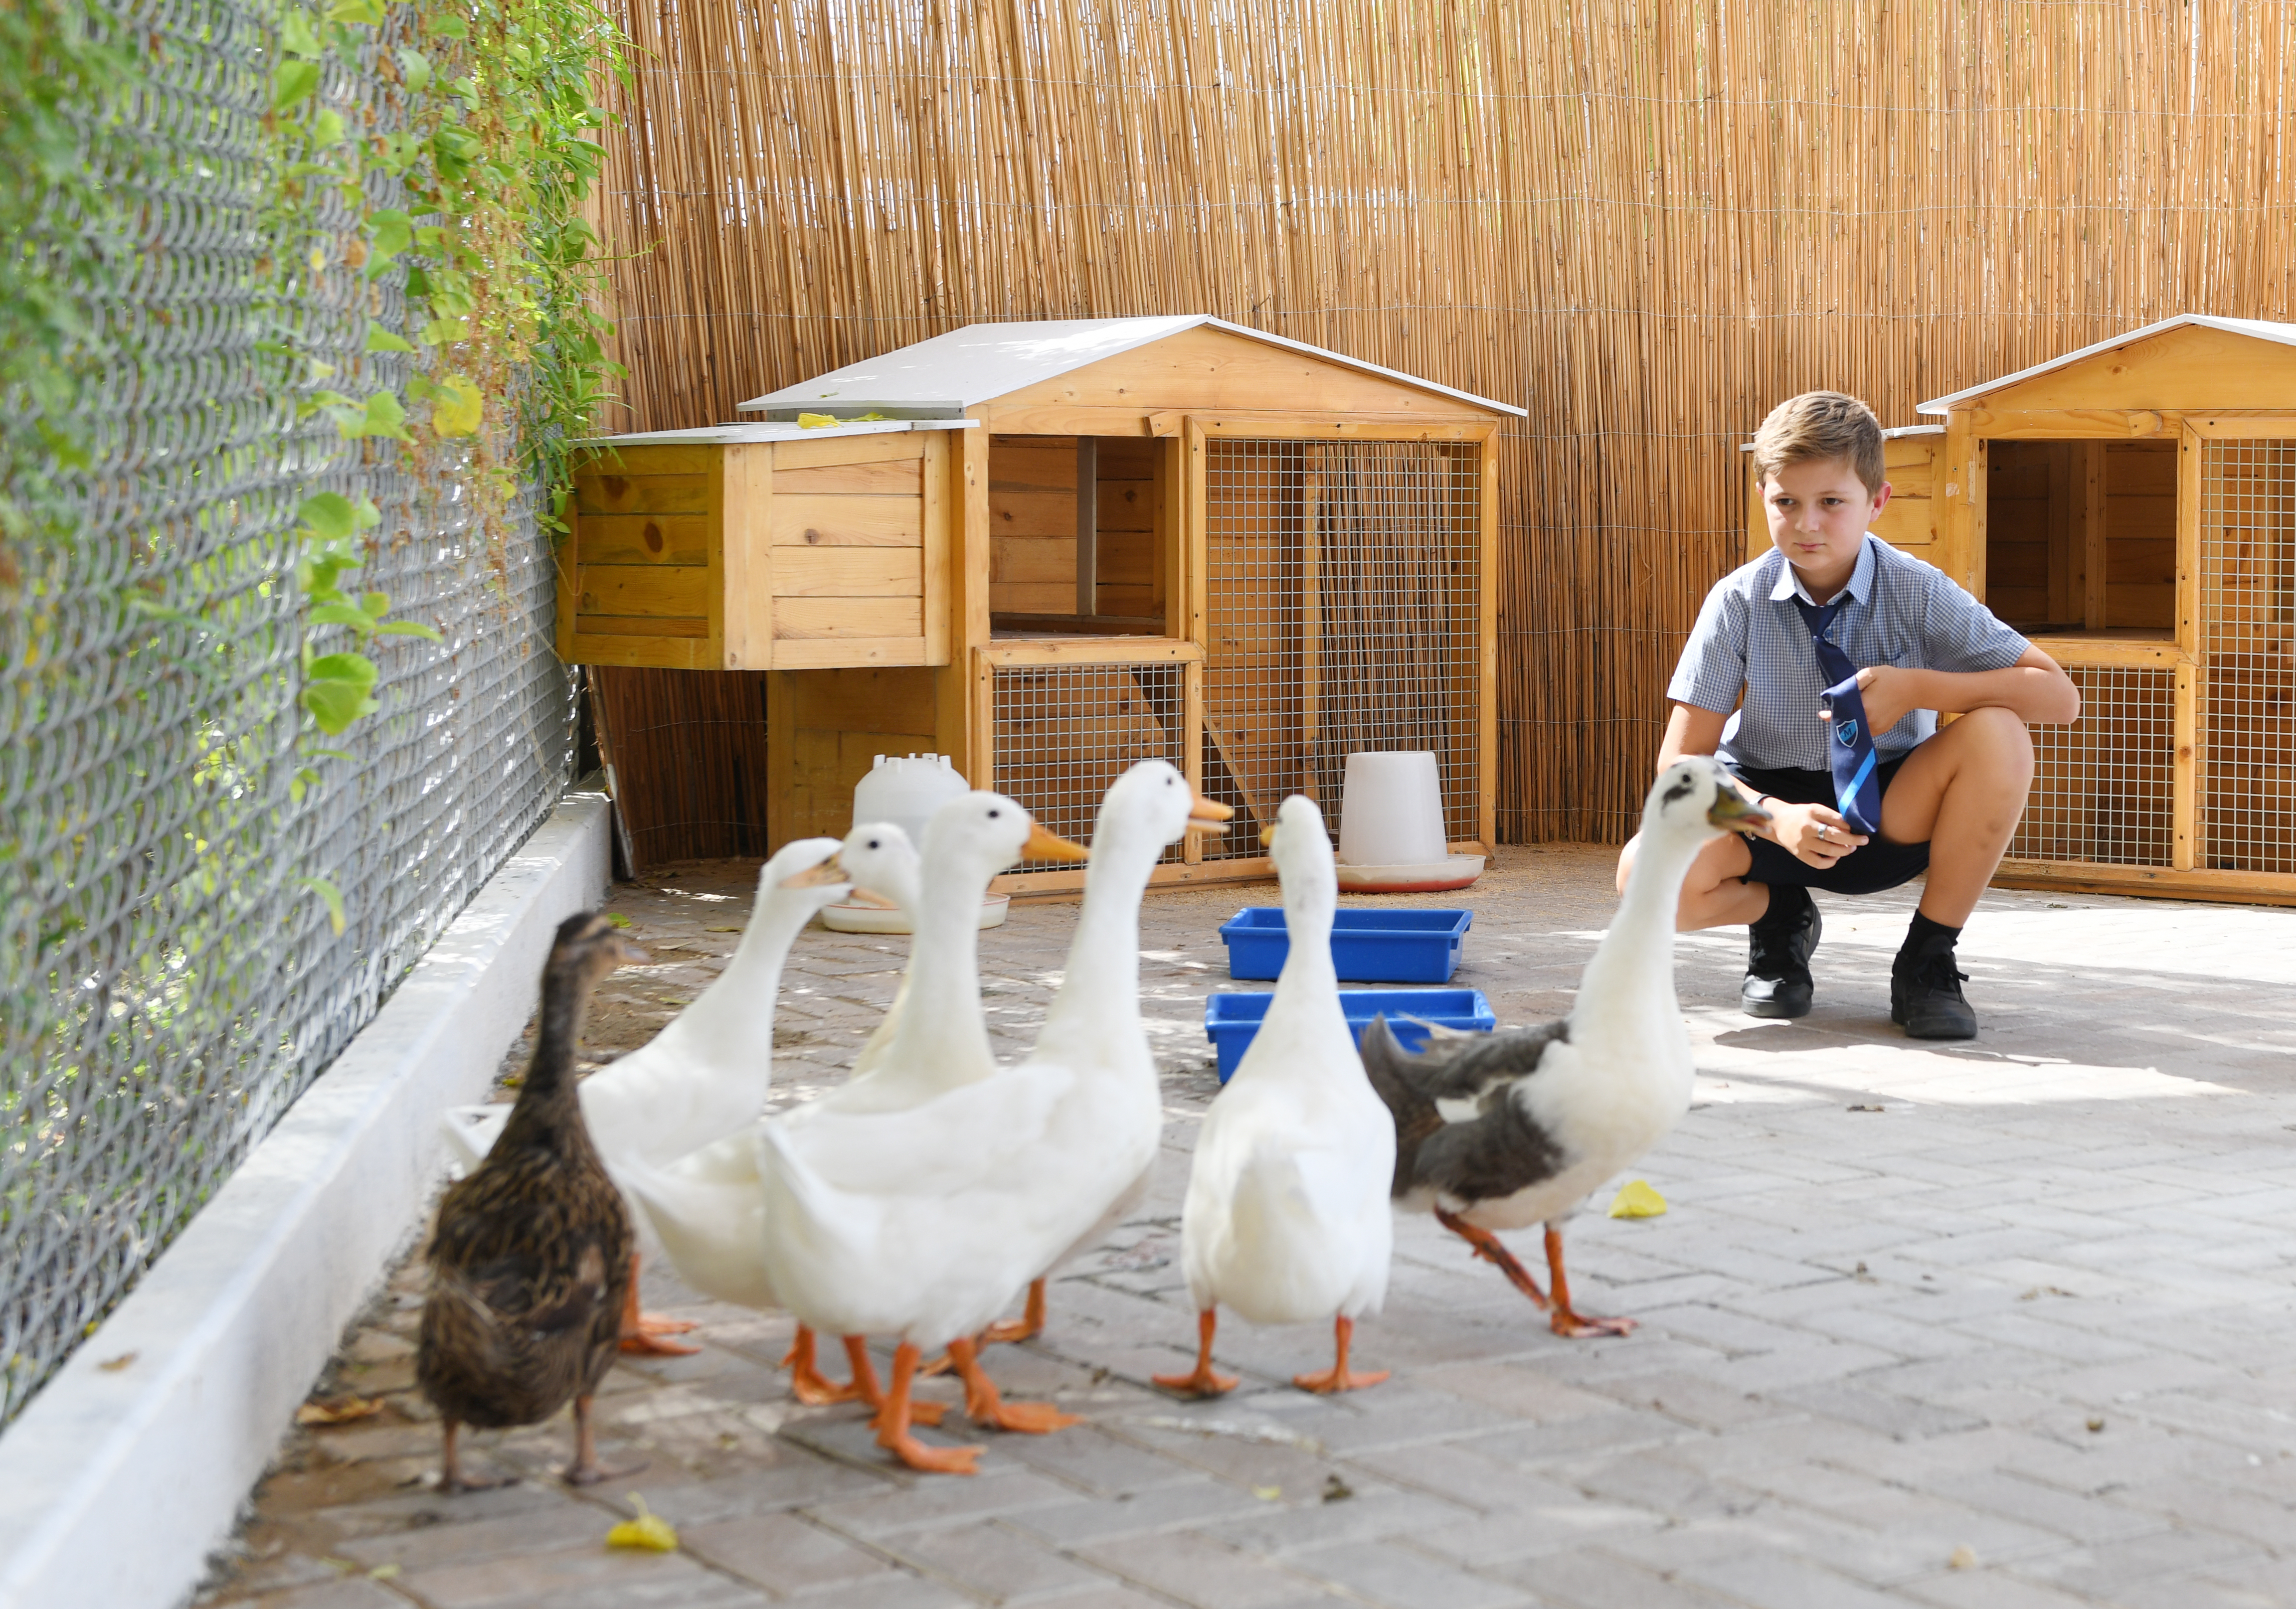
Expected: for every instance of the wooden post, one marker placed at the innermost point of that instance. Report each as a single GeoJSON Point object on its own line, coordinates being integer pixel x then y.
{"type": "Point", "coordinates": [2184, 791]}
{"type": "Point", "coordinates": [963, 716]}
{"type": "Point", "coordinates": [1192, 756]}
{"type": "Point", "coordinates": [2189, 491]}
{"type": "Point", "coordinates": [1194, 535]}
{"type": "Point", "coordinates": [2093, 527]}
{"type": "Point", "coordinates": [1311, 615]}
{"type": "Point", "coordinates": [743, 478]}
{"type": "Point", "coordinates": [1487, 624]}
{"type": "Point", "coordinates": [1087, 525]}
{"type": "Point", "coordinates": [943, 537]}
{"type": "Point", "coordinates": [1956, 527]}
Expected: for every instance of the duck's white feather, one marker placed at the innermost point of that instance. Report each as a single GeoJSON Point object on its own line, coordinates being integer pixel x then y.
{"type": "Point", "coordinates": [1286, 1219]}
{"type": "Point", "coordinates": [1015, 1168]}
{"type": "Point", "coordinates": [707, 1072]}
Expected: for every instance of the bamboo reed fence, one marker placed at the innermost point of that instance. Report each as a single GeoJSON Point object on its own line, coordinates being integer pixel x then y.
{"type": "Point", "coordinates": [685, 757]}
{"type": "Point", "coordinates": [1645, 221]}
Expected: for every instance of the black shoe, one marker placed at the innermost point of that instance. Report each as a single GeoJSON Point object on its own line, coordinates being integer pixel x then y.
{"type": "Point", "coordinates": [1925, 994]}
{"type": "Point", "coordinates": [1778, 949]}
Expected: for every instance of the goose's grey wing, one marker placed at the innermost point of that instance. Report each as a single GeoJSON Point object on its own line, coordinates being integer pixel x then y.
{"type": "Point", "coordinates": [1482, 1069]}
{"type": "Point", "coordinates": [1486, 1157]}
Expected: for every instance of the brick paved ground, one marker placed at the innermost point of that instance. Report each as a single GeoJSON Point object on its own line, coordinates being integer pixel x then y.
{"type": "Point", "coordinates": [1996, 1327]}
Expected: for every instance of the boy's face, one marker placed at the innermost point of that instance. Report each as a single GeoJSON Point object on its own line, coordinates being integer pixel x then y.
{"type": "Point", "coordinates": [1820, 512]}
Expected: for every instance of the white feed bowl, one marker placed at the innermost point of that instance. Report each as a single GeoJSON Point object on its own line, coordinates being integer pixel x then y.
{"type": "Point", "coordinates": [1392, 810]}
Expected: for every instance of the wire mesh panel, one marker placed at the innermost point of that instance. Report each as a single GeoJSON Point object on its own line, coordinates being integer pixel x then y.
{"type": "Point", "coordinates": [1343, 603]}
{"type": "Point", "coordinates": [170, 978]}
{"type": "Point", "coordinates": [2247, 696]}
{"type": "Point", "coordinates": [2103, 787]}
{"type": "Point", "coordinates": [1065, 732]}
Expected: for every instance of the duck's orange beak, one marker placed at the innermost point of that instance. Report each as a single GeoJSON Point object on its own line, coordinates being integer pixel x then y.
{"type": "Point", "coordinates": [1043, 846]}
{"type": "Point", "coordinates": [828, 871]}
{"type": "Point", "coordinates": [1267, 836]}
{"type": "Point", "coordinates": [1208, 815]}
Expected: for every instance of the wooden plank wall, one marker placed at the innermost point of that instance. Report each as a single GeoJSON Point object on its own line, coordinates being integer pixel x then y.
{"type": "Point", "coordinates": [1645, 223]}
{"type": "Point", "coordinates": [1032, 522]}
{"type": "Point", "coordinates": [2051, 506]}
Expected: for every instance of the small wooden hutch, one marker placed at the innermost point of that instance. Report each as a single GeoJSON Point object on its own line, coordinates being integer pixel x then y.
{"type": "Point", "coordinates": [1051, 550]}
{"type": "Point", "coordinates": [2131, 507]}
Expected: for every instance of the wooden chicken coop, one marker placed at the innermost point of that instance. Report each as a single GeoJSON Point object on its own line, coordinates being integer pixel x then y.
{"type": "Point", "coordinates": [1051, 550]}
{"type": "Point", "coordinates": [2131, 508]}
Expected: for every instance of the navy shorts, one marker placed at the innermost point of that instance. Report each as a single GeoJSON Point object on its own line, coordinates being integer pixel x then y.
{"type": "Point", "coordinates": [1872, 867]}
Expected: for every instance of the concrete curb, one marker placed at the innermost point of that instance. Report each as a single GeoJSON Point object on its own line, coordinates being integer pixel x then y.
{"type": "Point", "coordinates": [116, 1485]}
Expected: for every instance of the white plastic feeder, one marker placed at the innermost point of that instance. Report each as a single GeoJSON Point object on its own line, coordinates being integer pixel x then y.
{"type": "Point", "coordinates": [904, 790]}
{"type": "Point", "coordinates": [1392, 838]}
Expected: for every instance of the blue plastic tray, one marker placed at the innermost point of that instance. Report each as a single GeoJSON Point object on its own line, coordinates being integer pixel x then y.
{"type": "Point", "coordinates": [1369, 945]}
{"type": "Point", "coordinates": [1232, 1017]}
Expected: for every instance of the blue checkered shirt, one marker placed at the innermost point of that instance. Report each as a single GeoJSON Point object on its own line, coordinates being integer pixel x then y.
{"type": "Point", "coordinates": [1750, 637]}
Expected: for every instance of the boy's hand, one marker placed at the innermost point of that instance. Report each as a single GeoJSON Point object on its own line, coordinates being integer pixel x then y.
{"type": "Point", "coordinates": [1886, 695]}
{"type": "Point", "coordinates": [1811, 833]}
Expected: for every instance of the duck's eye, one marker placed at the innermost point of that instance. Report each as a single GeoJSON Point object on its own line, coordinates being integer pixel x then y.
{"type": "Point", "coordinates": [995, 814]}
{"type": "Point", "coordinates": [874, 845]}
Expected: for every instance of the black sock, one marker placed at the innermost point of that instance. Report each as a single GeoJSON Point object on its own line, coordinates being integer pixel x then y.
{"type": "Point", "coordinates": [1789, 905]}
{"type": "Point", "coordinates": [1920, 941]}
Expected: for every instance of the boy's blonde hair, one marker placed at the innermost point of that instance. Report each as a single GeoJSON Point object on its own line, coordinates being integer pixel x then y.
{"type": "Point", "coordinates": [1818, 425]}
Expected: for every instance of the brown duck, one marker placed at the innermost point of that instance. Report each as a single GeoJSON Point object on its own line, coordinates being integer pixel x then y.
{"type": "Point", "coordinates": [532, 1261]}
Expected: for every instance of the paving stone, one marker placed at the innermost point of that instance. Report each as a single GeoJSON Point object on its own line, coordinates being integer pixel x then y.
{"type": "Point", "coordinates": [1364, 1516]}
{"type": "Point", "coordinates": [1158, 1509]}
{"type": "Point", "coordinates": [2080, 1216]}
{"type": "Point", "coordinates": [1402, 1578]}
{"type": "Point", "coordinates": [601, 1577]}
{"type": "Point", "coordinates": [780, 1552]}
{"type": "Point", "coordinates": [945, 1501]}
{"type": "Point", "coordinates": [1198, 1572]}
{"type": "Point", "coordinates": [993, 1562]}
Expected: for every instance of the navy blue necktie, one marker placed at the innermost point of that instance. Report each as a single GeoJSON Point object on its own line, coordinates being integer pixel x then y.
{"type": "Point", "coordinates": [1850, 756]}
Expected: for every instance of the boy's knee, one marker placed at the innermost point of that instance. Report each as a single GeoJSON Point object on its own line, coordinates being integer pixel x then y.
{"type": "Point", "coordinates": [1626, 861]}
{"type": "Point", "coordinates": [2007, 740]}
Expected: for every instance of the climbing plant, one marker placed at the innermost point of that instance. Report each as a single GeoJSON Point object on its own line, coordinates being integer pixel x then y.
{"type": "Point", "coordinates": [493, 151]}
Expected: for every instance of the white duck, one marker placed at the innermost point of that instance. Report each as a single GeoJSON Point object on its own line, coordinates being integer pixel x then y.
{"type": "Point", "coordinates": [925, 1223]}
{"type": "Point", "coordinates": [1287, 1217]}
{"type": "Point", "coordinates": [707, 1074]}
{"type": "Point", "coordinates": [708, 1207]}
{"type": "Point", "coordinates": [890, 1074]}
{"type": "Point", "coordinates": [1501, 1131]}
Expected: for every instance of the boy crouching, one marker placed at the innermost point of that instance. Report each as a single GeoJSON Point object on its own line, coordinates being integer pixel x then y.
{"type": "Point", "coordinates": [1831, 597]}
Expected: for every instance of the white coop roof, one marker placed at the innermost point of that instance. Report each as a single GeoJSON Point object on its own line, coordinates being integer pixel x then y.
{"type": "Point", "coordinates": [941, 377]}
{"type": "Point", "coordinates": [2284, 334]}
{"type": "Point", "coordinates": [750, 433]}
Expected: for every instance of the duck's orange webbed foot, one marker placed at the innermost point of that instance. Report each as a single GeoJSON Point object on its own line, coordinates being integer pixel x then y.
{"type": "Point", "coordinates": [810, 1386]}
{"type": "Point", "coordinates": [1029, 1324]}
{"type": "Point", "coordinates": [1488, 1248]}
{"type": "Point", "coordinates": [984, 1404]}
{"type": "Point", "coordinates": [1337, 1378]}
{"type": "Point", "coordinates": [865, 1387]}
{"type": "Point", "coordinates": [1201, 1381]}
{"type": "Point", "coordinates": [893, 1426]}
{"type": "Point", "coordinates": [641, 1332]}
{"type": "Point", "coordinates": [1567, 1321]}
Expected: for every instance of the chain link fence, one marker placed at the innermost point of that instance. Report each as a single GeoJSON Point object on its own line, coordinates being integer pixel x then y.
{"type": "Point", "coordinates": [171, 980]}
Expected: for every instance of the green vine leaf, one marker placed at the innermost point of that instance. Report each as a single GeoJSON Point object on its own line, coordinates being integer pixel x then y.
{"type": "Point", "coordinates": [384, 415]}
{"type": "Point", "coordinates": [330, 516]}
{"type": "Point", "coordinates": [459, 408]}
{"type": "Point", "coordinates": [380, 339]}
{"type": "Point", "coordinates": [297, 36]}
{"type": "Point", "coordinates": [335, 705]}
{"type": "Point", "coordinates": [416, 67]}
{"type": "Point", "coordinates": [293, 81]}
{"type": "Point", "coordinates": [331, 896]}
